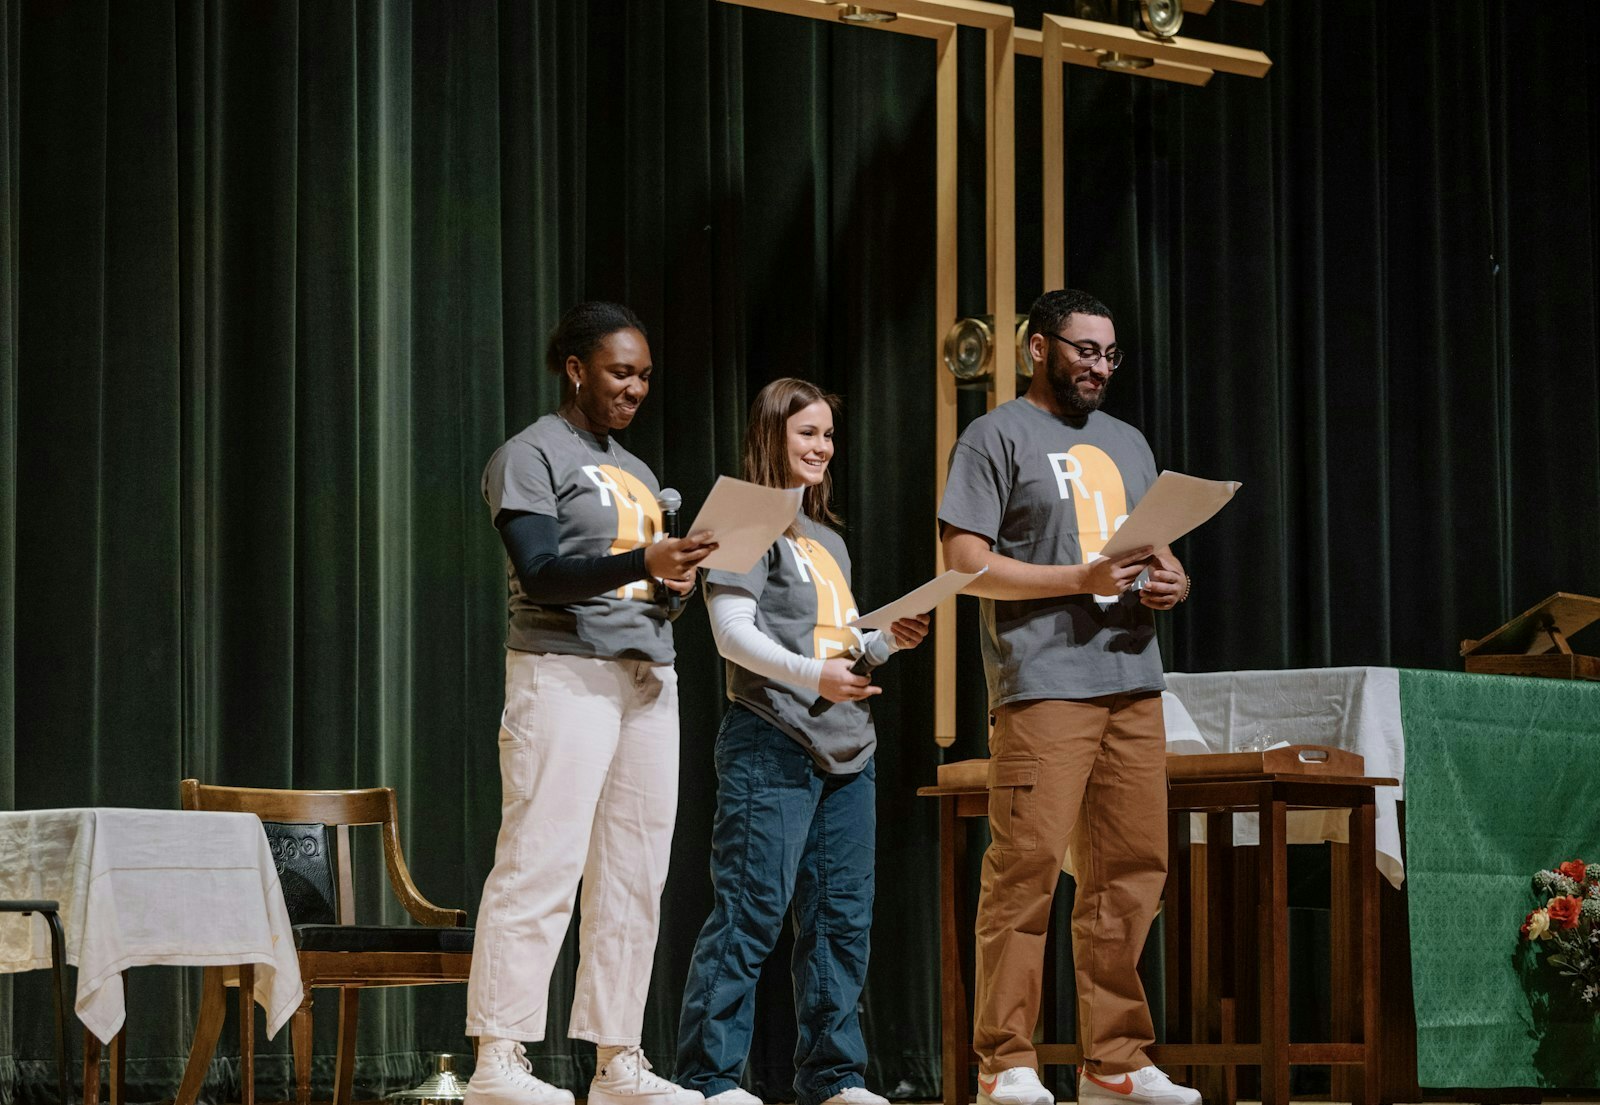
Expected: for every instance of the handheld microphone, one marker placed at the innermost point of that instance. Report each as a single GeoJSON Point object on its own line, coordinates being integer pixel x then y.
{"type": "Point", "coordinates": [671, 502]}
{"type": "Point", "coordinates": [878, 649]}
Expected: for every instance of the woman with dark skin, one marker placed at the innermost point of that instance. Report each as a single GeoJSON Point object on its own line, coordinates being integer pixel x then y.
{"type": "Point", "coordinates": [589, 736]}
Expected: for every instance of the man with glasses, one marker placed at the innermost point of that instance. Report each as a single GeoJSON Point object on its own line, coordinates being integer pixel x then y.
{"type": "Point", "coordinates": [1078, 751]}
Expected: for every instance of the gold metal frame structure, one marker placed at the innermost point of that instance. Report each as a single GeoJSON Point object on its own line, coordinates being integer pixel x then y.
{"type": "Point", "coordinates": [937, 20]}
{"type": "Point", "coordinates": [1059, 41]}
{"type": "Point", "coordinates": [1079, 42]}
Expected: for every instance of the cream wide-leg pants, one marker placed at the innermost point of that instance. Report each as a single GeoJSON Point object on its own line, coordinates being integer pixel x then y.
{"type": "Point", "coordinates": [589, 778]}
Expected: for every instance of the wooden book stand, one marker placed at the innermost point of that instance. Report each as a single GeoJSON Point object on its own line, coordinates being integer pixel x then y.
{"type": "Point", "coordinates": [1535, 642]}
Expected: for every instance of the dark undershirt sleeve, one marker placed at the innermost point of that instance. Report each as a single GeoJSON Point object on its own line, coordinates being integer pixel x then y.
{"type": "Point", "coordinates": [532, 540]}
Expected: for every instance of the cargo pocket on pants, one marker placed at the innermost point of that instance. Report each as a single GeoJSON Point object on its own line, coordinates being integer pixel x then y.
{"type": "Point", "coordinates": [1011, 783]}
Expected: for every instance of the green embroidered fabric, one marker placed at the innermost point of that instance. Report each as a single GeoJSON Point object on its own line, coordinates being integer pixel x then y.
{"type": "Point", "coordinates": [1502, 779]}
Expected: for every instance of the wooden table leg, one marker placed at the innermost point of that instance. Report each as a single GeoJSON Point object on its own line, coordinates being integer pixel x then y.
{"type": "Point", "coordinates": [1212, 977]}
{"type": "Point", "coordinates": [1175, 928]}
{"type": "Point", "coordinates": [1344, 962]}
{"type": "Point", "coordinates": [207, 1029]}
{"type": "Point", "coordinates": [1364, 881]}
{"type": "Point", "coordinates": [957, 1040]}
{"type": "Point", "coordinates": [1272, 913]}
{"type": "Point", "coordinates": [247, 1034]}
{"type": "Point", "coordinates": [118, 1064]}
{"type": "Point", "coordinates": [91, 1068]}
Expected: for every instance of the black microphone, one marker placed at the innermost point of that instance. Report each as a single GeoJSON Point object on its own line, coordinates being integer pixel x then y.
{"type": "Point", "coordinates": [671, 502]}
{"type": "Point", "coordinates": [878, 649]}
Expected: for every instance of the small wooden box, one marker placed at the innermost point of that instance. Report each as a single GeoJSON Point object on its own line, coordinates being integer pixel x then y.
{"type": "Point", "coordinates": [1536, 642]}
{"type": "Point", "coordinates": [1291, 759]}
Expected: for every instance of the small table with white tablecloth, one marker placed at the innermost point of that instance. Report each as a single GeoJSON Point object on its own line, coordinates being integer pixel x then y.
{"type": "Point", "coordinates": [1496, 778]}
{"type": "Point", "coordinates": [1357, 709]}
{"type": "Point", "coordinates": [139, 887]}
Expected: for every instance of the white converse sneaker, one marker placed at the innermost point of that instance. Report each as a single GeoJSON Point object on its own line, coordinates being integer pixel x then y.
{"type": "Point", "coordinates": [856, 1095]}
{"type": "Point", "coordinates": [505, 1077]}
{"type": "Point", "coordinates": [627, 1080]}
{"type": "Point", "coordinates": [1014, 1086]}
{"type": "Point", "coordinates": [736, 1096]}
{"type": "Point", "coordinates": [1145, 1086]}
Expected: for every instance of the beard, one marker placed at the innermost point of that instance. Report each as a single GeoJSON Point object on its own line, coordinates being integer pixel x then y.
{"type": "Point", "coordinates": [1064, 378]}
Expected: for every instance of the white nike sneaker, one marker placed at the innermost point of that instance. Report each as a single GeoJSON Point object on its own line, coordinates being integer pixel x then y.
{"type": "Point", "coordinates": [1145, 1086]}
{"type": "Point", "coordinates": [856, 1095]}
{"type": "Point", "coordinates": [736, 1096]}
{"type": "Point", "coordinates": [627, 1080]}
{"type": "Point", "coordinates": [1014, 1086]}
{"type": "Point", "coordinates": [505, 1077]}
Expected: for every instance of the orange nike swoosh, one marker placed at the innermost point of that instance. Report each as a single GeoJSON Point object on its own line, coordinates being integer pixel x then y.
{"type": "Point", "coordinates": [1125, 1087]}
{"type": "Point", "coordinates": [987, 1084]}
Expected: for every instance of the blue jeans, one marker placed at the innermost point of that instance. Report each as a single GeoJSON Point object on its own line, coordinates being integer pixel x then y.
{"type": "Point", "coordinates": [785, 834]}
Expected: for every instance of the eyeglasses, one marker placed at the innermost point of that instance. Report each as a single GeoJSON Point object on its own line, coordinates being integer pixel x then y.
{"type": "Point", "coordinates": [1089, 354]}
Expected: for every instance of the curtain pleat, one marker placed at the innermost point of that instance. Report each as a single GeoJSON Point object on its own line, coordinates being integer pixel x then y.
{"type": "Point", "coordinates": [277, 279]}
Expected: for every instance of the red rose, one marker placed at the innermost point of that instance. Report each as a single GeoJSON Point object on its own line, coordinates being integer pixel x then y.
{"type": "Point", "coordinates": [1574, 869]}
{"type": "Point", "coordinates": [1564, 912]}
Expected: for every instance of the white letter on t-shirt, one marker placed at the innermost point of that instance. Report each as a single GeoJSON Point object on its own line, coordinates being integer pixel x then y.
{"type": "Point", "coordinates": [601, 480]}
{"type": "Point", "coordinates": [1069, 474]}
{"type": "Point", "coordinates": [802, 562]}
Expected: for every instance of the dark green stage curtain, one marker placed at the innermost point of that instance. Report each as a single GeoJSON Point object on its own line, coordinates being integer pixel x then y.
{"type": "Point", "coordinates": [277, 280]}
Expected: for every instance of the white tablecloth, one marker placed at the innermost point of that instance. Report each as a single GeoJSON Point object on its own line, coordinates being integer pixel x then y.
{"type": "Point", "coordinates": [1352, 708]}
{"type": "Point", "coordinates": [140, 887]}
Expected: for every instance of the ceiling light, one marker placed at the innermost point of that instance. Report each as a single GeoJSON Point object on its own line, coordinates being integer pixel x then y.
{"type": "Point", "coordinates": [1161, 18]}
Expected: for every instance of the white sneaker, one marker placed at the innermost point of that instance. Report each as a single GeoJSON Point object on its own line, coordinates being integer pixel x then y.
{"type": "Point", "coordinates": [736, 1096]}
{"type": "Point", "coordinates": [1145, 1086]}
{"type": "Point", "coordinates": [856, 1095]}
{"type": "Point", "coordinates": [626, 1080]}
{"type": "Point", "coordinates": [1014, 1086]}
{"type": "Point", "coordinates": [505, 1077]}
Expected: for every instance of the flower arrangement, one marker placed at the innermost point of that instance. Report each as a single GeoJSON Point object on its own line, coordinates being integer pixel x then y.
{"type": "Point", "coordinates": [1569, 920]}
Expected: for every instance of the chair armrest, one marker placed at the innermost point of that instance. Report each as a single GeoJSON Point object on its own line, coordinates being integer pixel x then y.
{"type": "Point", "coordinates": [422, 910]}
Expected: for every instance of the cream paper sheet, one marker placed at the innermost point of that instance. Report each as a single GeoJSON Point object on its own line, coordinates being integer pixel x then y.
{"type": "Point", "coordinates": [746, 518]}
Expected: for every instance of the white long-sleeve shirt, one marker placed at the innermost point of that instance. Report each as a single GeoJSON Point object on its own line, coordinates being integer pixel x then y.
{"type": "Point", "coordinates": [740, 640]}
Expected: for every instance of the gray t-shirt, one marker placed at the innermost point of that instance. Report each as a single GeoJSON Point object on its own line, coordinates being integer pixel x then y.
{"type": "Point", "coordinates": [1048, 492]}
{"type": "Point", "coordinates": [604, 500]}
{"type": "Point", "coordinates": [803, 601]}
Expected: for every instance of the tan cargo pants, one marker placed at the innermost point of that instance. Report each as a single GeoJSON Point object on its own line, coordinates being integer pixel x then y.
{"type": "Point", "coordinates": [1091, 771]}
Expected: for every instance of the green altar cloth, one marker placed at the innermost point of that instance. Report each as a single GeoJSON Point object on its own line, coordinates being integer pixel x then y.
{"type": "Point", "coordinates": [1502, 779]}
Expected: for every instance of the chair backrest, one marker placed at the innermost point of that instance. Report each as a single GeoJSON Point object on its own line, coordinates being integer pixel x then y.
{"type": "Point", "coordinates": [304, 857]}
{"type": "Point", "coordinates": [300, 811]}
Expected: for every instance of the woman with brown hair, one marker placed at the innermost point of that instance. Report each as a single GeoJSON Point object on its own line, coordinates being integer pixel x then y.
{"type": "Point", "coordinates": [796, 787]}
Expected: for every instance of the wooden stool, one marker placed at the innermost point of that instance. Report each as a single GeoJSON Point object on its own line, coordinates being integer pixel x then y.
{"type": "Point", "coordinates": [1269, 783]}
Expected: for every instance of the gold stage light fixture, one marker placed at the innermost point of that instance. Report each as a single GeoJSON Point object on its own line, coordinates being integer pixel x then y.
{"type": "Point", "coordinates": [969, 349]}
{"type": "Point", "coordinates": [855, 13]}
{"type": "Point", "coordinates": [1160, 18]}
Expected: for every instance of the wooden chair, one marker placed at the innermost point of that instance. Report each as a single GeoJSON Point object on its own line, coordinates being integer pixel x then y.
{"type": "Point", "coordinates": [300, 825]}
